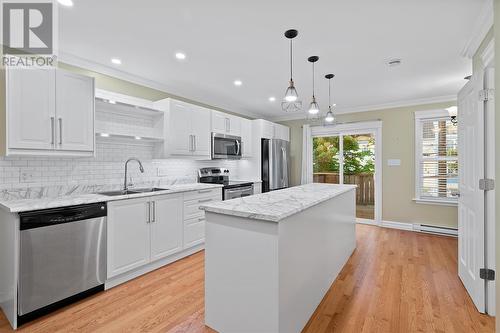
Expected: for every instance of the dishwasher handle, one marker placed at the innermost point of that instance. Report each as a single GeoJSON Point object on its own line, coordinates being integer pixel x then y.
{"type": "Point", "coordinates": [54, 216]}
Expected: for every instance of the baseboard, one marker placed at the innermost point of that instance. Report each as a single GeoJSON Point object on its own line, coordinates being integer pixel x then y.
{"type": "Point", "coordinates": [398, 225]}
{"type": "Point", "coordinates": [417, 227]}
{"type": "Point", "coordinates": [366, 221]}
{"type": "Point", "coordinates": [116, 280]}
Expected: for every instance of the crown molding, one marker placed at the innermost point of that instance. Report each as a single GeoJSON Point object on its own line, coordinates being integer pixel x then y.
{"type": "Point", "coordinates": [73, 60]}
{"type": "Point", "coordinates": [375, 107]}
{"type": "Point", "coordinates": [483, 24]}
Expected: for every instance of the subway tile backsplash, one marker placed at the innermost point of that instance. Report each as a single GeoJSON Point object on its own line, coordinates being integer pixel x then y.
{"type": "Point", "coordinates": [107, 168]}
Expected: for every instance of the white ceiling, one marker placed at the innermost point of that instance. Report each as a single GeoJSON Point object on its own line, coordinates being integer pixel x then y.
{"type": "Point", "coordinates": [226, 40]}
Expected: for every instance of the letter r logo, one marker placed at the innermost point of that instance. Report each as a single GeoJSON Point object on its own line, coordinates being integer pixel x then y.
{"type": "Point", "coordinates": [27, 28]}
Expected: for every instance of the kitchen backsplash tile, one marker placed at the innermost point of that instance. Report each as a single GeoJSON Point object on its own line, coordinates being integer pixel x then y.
{"type": "Point", "coordinates": [105, 169]}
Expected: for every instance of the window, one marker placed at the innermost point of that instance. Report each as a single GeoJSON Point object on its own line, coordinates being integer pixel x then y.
{"type": "Point", "coordinates": [436, 158]}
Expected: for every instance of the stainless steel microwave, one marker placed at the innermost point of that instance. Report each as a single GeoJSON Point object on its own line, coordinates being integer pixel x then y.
{"type": "Point", "coordinates": [225, 146]}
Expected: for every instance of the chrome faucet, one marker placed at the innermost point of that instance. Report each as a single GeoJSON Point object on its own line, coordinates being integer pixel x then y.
{"type": "Point", "coordinates": [141, 168]}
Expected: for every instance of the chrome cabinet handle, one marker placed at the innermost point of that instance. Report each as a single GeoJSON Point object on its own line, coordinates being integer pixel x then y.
{"type": "Point", "coordinates": [52, 124]}
{"type": "Point", "coordinates": [149, 212]}
{"type": "Point", "coordinates": [201, 219]}
{"type": "Point", "coordinates": [154, 211]}
{"type": "Point", "coordinates": [204, 200]}
{"type": "Point", "coordinates": [60, 131]}
{"type": "Point", "coordinates": [194, 142]}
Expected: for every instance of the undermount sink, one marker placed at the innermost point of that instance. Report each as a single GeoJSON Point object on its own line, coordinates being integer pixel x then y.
{"type": "Point", "coordinates": [134, 191]}
{"type": "Point", "coordinates": [149, 189]}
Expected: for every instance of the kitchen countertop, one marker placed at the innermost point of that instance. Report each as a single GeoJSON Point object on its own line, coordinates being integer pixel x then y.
{"type": "Point", "coordinates": [277, 205]}
{"type": "Point", "coordinates": [24, 205]}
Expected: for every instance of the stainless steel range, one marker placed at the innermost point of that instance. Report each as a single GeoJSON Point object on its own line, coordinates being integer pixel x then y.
{"type": "Point", "coordinates": [231, 189]}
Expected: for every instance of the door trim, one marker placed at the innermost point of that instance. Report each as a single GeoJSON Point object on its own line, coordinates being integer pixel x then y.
{"type": "Point", "coordinates": [364, 127]}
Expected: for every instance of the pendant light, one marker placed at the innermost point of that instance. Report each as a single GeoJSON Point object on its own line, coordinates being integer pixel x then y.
{"type": "Point", "coordinates": [329, 118]}
{"type": "Point", "coordinates": [291, 101]}
{"type": "Point", "coordinates": [313, 107]}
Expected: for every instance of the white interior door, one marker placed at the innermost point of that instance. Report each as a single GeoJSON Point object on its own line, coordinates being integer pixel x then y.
{"type": "Point", "coordinates": [471, 201]}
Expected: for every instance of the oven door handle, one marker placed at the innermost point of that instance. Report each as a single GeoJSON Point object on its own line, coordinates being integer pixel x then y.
{"type": "Point", "coordinates": [241, 189]}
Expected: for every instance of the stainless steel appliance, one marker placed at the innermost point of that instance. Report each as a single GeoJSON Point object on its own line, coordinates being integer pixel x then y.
{"type": "Point", "coordinates": [231, 189]}
{"type": "Point", "coordinates": [226, 146]}
{"type": "Point", "coordinates": [275, 164]}
{"type": "Point", "coordinates": [62, 257]}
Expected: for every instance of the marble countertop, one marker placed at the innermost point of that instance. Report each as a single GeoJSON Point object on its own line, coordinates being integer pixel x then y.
{"type": "Point", "coordinates": [23, 205]}
{"type": "Point", "coordinates": [277, 205]}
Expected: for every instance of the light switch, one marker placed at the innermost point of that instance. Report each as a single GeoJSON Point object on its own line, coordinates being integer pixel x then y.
{"type": "Point", "coordinates": [393, 162]}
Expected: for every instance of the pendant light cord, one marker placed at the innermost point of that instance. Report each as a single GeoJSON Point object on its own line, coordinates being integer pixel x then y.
{"type": "Point", "coordinates": [291, 60]}
{"type": "Point", "coordinates": [313, 79]}
{"type": "Point", "coordinates": [329, 94]}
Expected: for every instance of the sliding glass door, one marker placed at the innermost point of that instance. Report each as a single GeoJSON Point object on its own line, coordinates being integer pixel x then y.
{"type": "Point", "coordinates": [348, 158]}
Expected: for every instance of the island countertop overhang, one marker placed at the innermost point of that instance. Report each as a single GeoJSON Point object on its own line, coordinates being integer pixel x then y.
{"type": "Point", "coordinates": [277, 205]}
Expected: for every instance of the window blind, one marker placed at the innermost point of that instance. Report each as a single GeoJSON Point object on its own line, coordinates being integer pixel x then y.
{"type": "Point", "coordinates": [437, 162]}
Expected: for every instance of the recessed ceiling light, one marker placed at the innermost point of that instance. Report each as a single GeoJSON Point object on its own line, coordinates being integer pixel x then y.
{"type": "Point", "coordinates": [394, 62]}
{"type": "Point", "coordinates": [138, 138]}
{"type": "Point", "coordinates": [110, 101]}
{"type": "Point", "coordinates": [180, 55]}
{"type": "Point", "coordinates": [104, 135]}
{"type": "Point", "coordinates": [67, 3]}
{"type": "Point", "coordinates": [237, 83]}
{"type": "Point", "coordinates": [272, 99]}
{"type": "Point", "coordinates": [116, 61]}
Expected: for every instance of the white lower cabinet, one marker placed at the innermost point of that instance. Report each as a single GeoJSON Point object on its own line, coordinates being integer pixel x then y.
{"type": "Point", "coordinates": [143, 231]}
{"type": "Point", "coordinates": [128, 235]}
{"type": "Point", "coordinates": [166, 226]}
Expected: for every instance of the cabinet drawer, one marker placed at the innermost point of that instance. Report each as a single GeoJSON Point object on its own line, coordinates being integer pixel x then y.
{"type": "Point", "coordinates": [192, 207]}
{"type": "Point", "coordinates": [194, 233]}
{"type": "Point", "coordinates": [205, 193]}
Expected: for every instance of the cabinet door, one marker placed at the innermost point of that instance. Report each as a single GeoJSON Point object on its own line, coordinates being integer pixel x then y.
{"type": "Point", "coordinates": [234, 125]}
{"type": "Point", "coordinates": [31, 108]}
{"type": "Point", "coordinates": [201, 130]}
{"type": "Point", "coordinates": [220, 122]}
{"type": "Point", "coordinates": [166, 226]}
{"type": "Point", "coordinates": [180, 129]}
{"type": "Point", "coordinates": [74, 111]}
{"type": "Point", "coordinates": [128, 235]}
{"type": "Point", "coordinates": [268, 130]}
{"type": "Point", "coordinates": [282, 132]}
{"type": "Point", "coordinates": [246, 137]}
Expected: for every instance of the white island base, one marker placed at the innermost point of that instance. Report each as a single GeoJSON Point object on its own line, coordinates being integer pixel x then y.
{"type": "Point", "coordinates": [270, 276]}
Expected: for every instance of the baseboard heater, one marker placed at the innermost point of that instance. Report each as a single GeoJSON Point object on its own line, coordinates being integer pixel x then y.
{"type": "Point", "coordinates": [431, 229]}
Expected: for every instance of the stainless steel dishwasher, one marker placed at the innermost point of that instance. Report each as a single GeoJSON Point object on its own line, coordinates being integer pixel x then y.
{"type": "Point", "coordinates": [62, 257]}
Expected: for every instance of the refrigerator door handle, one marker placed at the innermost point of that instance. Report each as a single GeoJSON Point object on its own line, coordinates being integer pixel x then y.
{"type": "Point", "coordinates": [283, 152]}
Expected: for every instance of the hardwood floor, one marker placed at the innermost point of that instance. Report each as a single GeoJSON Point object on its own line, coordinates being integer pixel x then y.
{"type": "Point", "coordinates": [396, 281]}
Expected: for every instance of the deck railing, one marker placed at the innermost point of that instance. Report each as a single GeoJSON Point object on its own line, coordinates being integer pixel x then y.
{"type": "Point", "coordinates": [365, 193]}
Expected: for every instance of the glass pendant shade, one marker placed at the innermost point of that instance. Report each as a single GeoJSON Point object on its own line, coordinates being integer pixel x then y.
{"type": "Point", "coordinates": [291, 93]}
{"type": "Point", "coordinates": [329, 116]}
{"type": "Point", "coordinates": [313, 107]}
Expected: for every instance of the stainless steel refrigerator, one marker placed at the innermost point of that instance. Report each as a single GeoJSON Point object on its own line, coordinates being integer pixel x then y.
{"type": "Point", "coordinates": [275, 161]}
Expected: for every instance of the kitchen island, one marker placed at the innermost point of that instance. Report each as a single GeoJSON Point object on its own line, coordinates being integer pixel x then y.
{"type": "Point", "coordinates": [270, 258]}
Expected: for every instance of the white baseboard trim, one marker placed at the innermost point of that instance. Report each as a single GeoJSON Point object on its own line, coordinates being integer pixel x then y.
{"type": "Point", "coordinates": [398, 225]}
{"type": "Point", "coordinates": [416, 227]}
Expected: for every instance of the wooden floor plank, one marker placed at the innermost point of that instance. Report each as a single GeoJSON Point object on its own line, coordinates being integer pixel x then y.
{"type": "Point", "coordinates": [396, 281]}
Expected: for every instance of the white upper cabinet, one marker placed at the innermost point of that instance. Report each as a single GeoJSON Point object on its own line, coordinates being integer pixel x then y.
{"type": "Point", "coordinates": [31, 109]}
{"type": "Point", "coordinates": [269, 130]}
{"type": "Point", "coordinates": [75, 111]}
{"type": "Point", "coordinates": [187, 129]}
{"type": "Point", "coordinates": [223, 123]}
{"type": "Point", "coordinates": [246, 138]}
{"type": "Point", "coordinates": [200, 129]}
{"type": "Point", "coordinates": [49, 112]}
